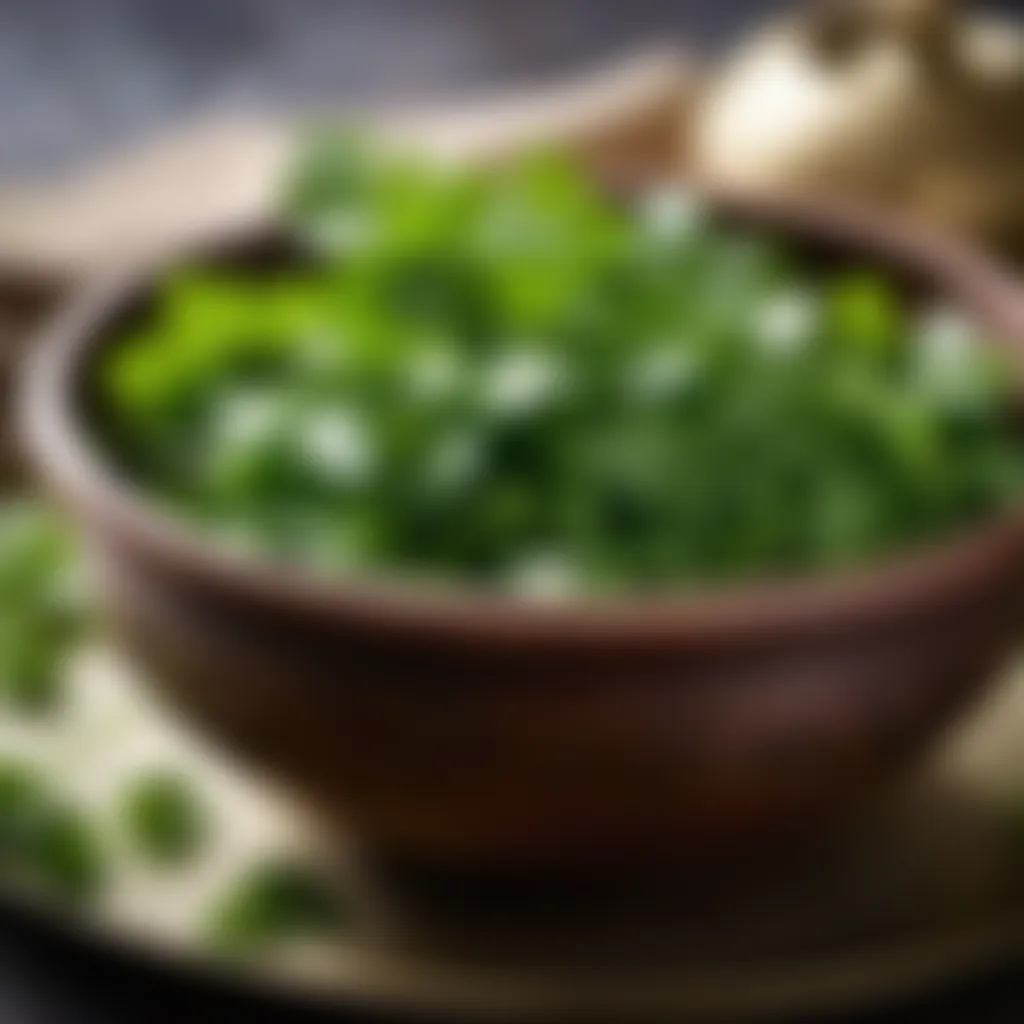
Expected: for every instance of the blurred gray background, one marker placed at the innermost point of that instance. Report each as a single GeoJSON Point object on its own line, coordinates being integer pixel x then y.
{"type": "Point", "coordinates": [77, 76]}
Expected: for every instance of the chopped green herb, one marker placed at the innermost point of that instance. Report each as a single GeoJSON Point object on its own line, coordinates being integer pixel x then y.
{"type": "Point", "coordinates": [44, 840]}
{"type": "Point", "coordinates": [42, 612]}
{"type": "Point", "coordinates": [30, 669]}
{"type": "Point", "coordinates": [514, 380]}
{"type": "Point", "coordinates": [276, 903]}
{"type": "Point", "coordinates": [164, 818]}
{"type": "Point", "coordinates": [65, 855]}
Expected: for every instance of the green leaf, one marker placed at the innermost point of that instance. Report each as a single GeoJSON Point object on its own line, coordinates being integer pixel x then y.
{"type": "Point", "coordinates": [865, 313]}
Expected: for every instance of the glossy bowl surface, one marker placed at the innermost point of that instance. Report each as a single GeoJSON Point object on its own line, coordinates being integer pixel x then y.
{"type": "Point", "coordinates": [474, 731]}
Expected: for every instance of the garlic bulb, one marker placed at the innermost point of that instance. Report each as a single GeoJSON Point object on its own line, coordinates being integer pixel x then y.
{"type": "Point", "coordinates": [906, 102]}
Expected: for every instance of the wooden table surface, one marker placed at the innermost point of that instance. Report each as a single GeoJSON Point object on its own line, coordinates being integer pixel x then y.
{"type": "Point", "coordinates": [76, 77]}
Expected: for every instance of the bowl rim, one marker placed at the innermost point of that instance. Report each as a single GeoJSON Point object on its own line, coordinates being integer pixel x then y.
{"type": "Point", "coordinates": [61, 445]}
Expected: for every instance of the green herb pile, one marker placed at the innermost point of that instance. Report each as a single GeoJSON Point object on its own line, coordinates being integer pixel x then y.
{"type": "Point", "coordinates": [513, 379]}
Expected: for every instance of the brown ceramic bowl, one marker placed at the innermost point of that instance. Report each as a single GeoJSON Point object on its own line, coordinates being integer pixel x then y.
{"type": "Point", "coordinates": [466, 730]}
